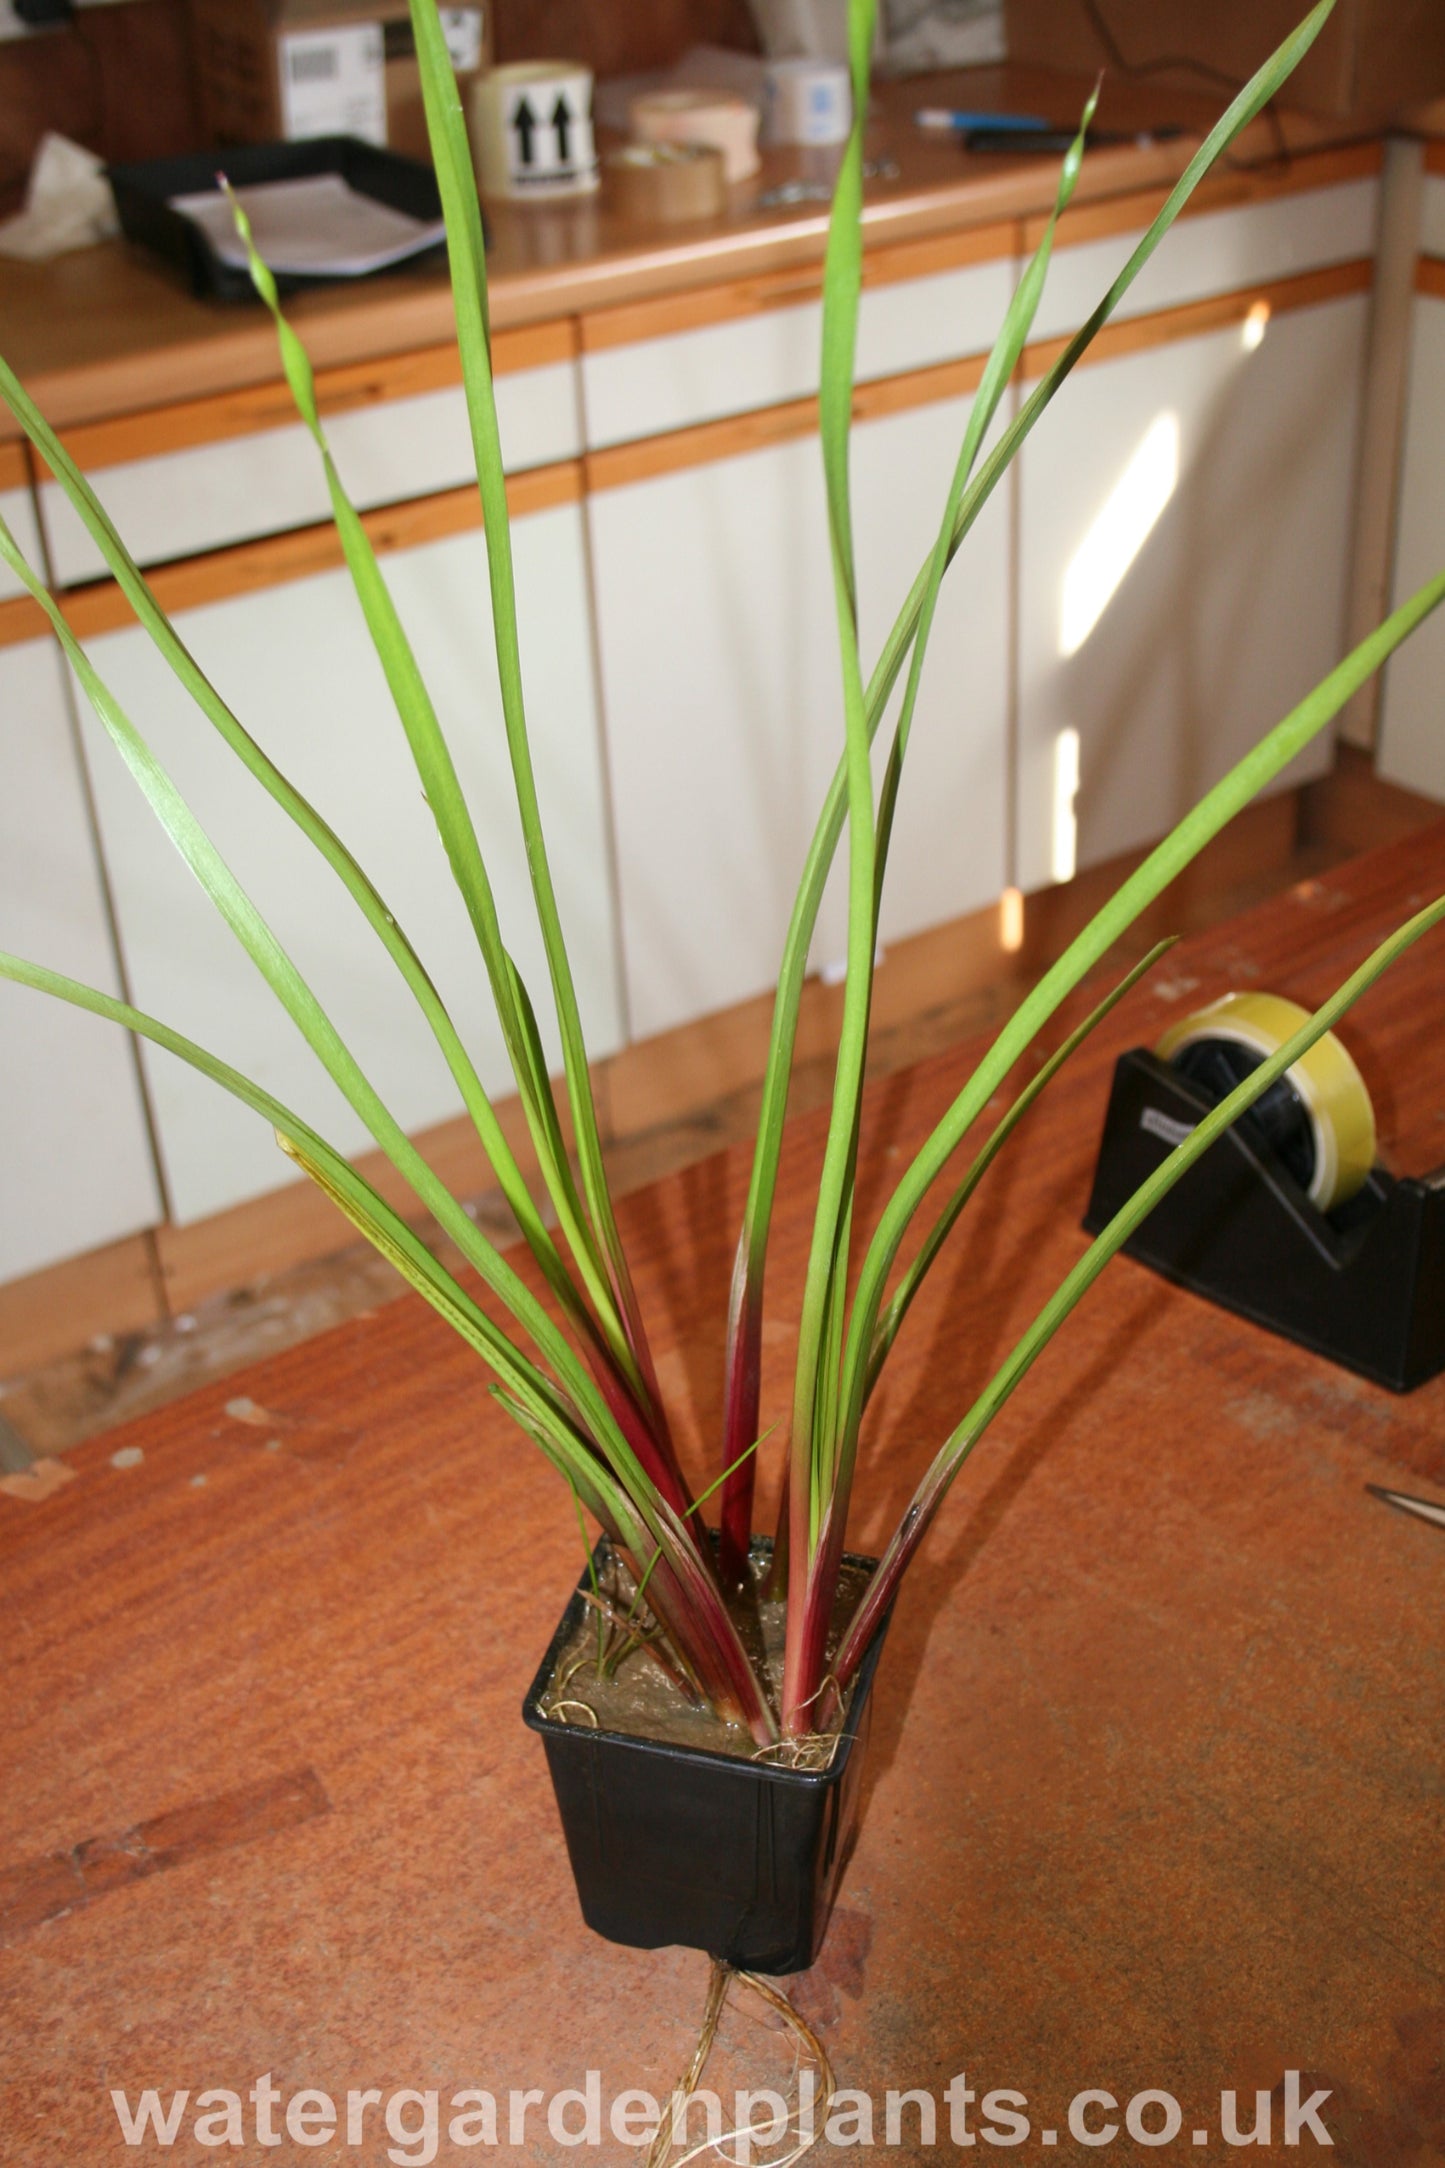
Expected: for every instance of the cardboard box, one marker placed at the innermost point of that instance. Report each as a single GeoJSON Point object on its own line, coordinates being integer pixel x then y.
{"type": "Point", "coordinates": [273, 71]}
{"type": "Point", "coordinates": [1372, 59]}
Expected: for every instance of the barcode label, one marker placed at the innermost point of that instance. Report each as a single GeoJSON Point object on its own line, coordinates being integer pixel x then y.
{"type": "Point", "coordinates": [462, 29]}
{"type": "Point", "coordinates": [333, 82]}
{"type": "Point", "coordinates": [314, 64]}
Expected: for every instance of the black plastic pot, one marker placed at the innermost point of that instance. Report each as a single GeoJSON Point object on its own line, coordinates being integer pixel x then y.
{"type": "Point", "coordinates": [672, 1844]}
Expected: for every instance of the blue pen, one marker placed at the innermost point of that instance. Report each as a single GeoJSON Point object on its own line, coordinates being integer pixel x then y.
{"type": "Point", "coordinates": [949, 122]}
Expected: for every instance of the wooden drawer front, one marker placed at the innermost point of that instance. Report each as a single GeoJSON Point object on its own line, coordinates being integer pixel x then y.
{"type": "Point", "coordinates": [1217, 252]}
{"type": "Point", "coordinates": [1412, 716]}
{"type": "Point", "coordinates": [770, 356]}
{"type": "Point", "coordinates": [75, 1167]}
{"type": "Point", "coordinates": [294, 661]}
{"type": "Point", "coordinates": [18, 510]}
{"type": "Point", "coordinates": [1432, 216]}
{"type": "Point", "coordinates": [211, 495]}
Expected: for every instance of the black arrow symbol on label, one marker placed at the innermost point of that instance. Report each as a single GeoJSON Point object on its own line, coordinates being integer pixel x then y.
{"type": "Point", "coordinates": [562, 122]}
{"type": "Point", "coordinates": [524, 120]}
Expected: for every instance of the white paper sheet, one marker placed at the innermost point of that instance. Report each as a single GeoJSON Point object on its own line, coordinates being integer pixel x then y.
{"type": "Point", "coordinates": [316, 226]}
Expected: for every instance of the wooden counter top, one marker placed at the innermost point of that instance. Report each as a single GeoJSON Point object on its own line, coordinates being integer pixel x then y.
{"type": "Point", "coordinates": [1153, 1797]}
{"type": "Point", "coordinates": [105, 331]}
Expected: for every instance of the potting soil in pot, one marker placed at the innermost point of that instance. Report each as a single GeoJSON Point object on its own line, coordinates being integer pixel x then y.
{"type": "Point", "coordinates": [636, 1696]}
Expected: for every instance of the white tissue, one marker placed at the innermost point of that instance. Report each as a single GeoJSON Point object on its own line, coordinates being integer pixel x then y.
{"type": "Point", "coordinates": [68, 203]}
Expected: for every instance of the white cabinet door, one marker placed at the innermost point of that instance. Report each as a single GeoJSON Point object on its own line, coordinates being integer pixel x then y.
{"type": "Point", "coordinates": [770, 354]}
{"type": "Point", "coordinates": [296, 664]}
{"type": "Point", "coordinates": [1412, 716]}
{"type": "Point", "coordinates": [1432, 216]}
{"type": "Point", "coordinates": [950, 846]}
{"type": "Point", "coordinates": [1214, 252]}
{"type": "Point", "coordinates": [75, 1162]}
{"type": "Point", "coordinates": [723, 700]}
{"type": "Point", "coordinates": [1184, 538]}
{"type": "Point", "coordinates": [720, 691]}
{"type": "Point", "coordinates": [172, 504]}
{"type": "Point", "coordinates": [17, 509]}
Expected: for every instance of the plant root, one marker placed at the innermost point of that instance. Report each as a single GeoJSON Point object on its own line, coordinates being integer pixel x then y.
{"type": "Point", "coordinates": [634, 1635]}
{"type": "Point", "coordinates": [717, 1995]}
{"type": "Point", "coordinates": [559, 1699]}
{"type": "Point", "coordinates": [829, 1703]}
{"type": "Point", "coordinates": [813, 1751]}
{"type": "Point", "coordinates": [555, 1709]}
{"type": "Point", "coordinates": [809, 2047]}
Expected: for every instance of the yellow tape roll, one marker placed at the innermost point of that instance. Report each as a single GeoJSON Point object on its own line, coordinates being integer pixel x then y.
{"type": "Point", "coordinates": [1329, 1087]}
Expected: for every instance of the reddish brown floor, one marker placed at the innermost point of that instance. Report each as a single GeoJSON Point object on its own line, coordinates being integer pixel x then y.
{"type": "Point", "coordinates": [1155, 1798]}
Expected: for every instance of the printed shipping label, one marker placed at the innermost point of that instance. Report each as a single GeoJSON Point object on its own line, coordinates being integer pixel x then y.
{"type": "Point", "coordinates": [462, 29]}
{"type": "Point", "coordinates": [549, 135]}
{"type": "Point", "coordinates": [333, 82]}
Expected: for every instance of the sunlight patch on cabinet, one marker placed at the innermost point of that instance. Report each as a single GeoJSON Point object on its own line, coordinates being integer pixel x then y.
{"type": "Point", "coordinates": [1254, 327]}
{"type": "Point", "coordinates": [1064, 857]}
{"type": "Point", "coordinates": [1131, 512]}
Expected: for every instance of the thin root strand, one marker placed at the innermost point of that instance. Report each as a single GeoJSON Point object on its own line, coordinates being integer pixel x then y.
{"type": "Point", "coordinates": [585, 1708]}
{"type": "Point", "coordinates": [809, 2046]}
{"type": "Point", "coordinates": [813, 1751]}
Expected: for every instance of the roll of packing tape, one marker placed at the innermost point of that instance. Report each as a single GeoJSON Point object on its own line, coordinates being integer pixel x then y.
{"type": "Point", "coordinates": [807, 101]}
{"type": "Point", "coordinates": [658, 182]}
{"type": "Point", "coordinates": [531, 130]}
{"type": "Point", "coordinates": [701, 116]}
{"type": "Point", "coordinates": [1318, 1117]}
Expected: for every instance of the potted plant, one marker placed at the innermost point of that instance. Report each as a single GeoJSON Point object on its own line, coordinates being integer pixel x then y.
{"type": "Point", "coordinates": [766, 1653]}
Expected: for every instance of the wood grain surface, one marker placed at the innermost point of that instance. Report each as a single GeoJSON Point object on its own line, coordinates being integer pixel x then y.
{"type": "Point", "coordinates": [121, 84]}
{"type": "Point", "coordinates": [1154, 1798]}
{"type": "Point", "coordinates": [614, 40]}
{"type": "Point", "coordinates": [107, 331]}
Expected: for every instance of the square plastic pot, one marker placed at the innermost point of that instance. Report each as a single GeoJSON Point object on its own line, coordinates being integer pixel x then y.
{"type": "Point", "coordinates": [673, 1844]}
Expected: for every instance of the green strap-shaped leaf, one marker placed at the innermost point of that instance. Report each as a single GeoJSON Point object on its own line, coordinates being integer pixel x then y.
{"type": "Point", "coordinates": [350, 1190]}
{"type": "Point", "coordinates": [456, 179]}
{"type": "Point", "coordinates": [456, 829]}
{"type": "Point", "coordinates": [306, 1012]}
{"type": "Point", "coordinates": [842, 291]}
{"type": "Point", "coordinates": [997, 372]}
{"type": "Point", "coordinates": [820, 1324]}
{"type": "Point", "coordinates": [572, 1425]}
{"type": "Point", "coordinates": [890, 1323]}
{"type": "Point", "coordinates": [742, 1371]}
{"type": "Point", "coordinates": [297, 809]}
{"type": "Point", "coordinates": [746, 1303]}
{"type": "Point", "coordinates": [1077, 1284]}
{"type": "Point", "coordinates": [1243, 783]}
